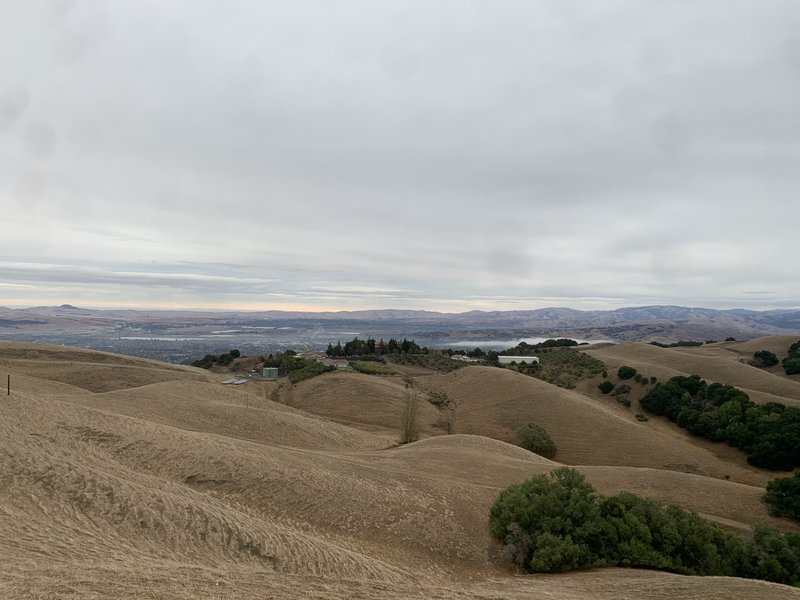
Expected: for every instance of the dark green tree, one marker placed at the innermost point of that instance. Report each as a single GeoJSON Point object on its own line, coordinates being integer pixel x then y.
{"type": "Point", "coordinates": [783, 496]}
{"type": "Point", "coordinates": [536, 439]}
{"type": "Point", "coordinates": [605, 387]}
{"type": "Point", "coordinates": [764, 358]}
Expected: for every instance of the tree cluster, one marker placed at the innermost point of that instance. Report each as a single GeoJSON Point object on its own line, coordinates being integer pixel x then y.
{"type": "Point", "coordinates": [368, 347]}
{"type": "Point", "coordinates": [626, 372]}
{"type": "Point", "coordinates": [791, 364]}
{"type": "Point", "coordinates": [682, 343]}
{"type": "Point", "coordinates": [556, 522]}
{"type": "Point", "coordinates": [526, 349]}
{"type": "Point", "coordinates": [783, 496]}
{"type": "Point", "coordinates": [768, 433]}
{"type": "Point", "coordinates": [209, 360]}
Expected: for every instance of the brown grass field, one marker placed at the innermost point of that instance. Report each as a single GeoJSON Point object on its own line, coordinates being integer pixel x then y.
{"type": "Point", "coordinates": [127, 478]}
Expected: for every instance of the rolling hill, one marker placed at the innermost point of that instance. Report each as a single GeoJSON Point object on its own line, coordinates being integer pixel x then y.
{"type": "Point", "coordinates": [157, 481]}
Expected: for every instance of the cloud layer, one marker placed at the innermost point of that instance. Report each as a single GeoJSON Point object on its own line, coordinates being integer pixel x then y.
{"type": "Point", "coordinates": [447, 155]}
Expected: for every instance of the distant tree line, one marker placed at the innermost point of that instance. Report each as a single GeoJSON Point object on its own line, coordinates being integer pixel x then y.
{"type": "Point", "coordinates": [679, 344]}
{"type": "Point", "coordinates": [209, 360]}
{"type": "Point", "coordinates": [768, 433]}
{"type": "Point", "coordinates": [370, 346]}
{"type": "Point", "coordinates": [526, 349]}
{"type": "Point", "coordinates": [474, 353]}
{"type": "Point", "coordinates": [557, 522]}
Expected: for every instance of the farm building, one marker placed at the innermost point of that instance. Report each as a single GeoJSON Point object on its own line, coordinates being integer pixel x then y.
{"type": "Point", "coordinates": [269, 372]}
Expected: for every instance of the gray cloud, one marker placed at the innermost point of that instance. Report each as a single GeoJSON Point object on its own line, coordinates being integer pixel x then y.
{"type": "Point", "coordinates": [448, 155]}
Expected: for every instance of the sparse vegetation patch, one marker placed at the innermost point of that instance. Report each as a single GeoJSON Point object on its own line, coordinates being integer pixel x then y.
{"type": "Point", "coordinates": [369, 367]}
{"type": "Point", "coordinates": [438, 399]}
{"type": "Point", "coordinates": [434, 360]}
{"type": "Point", "coordinates": [565, 366]}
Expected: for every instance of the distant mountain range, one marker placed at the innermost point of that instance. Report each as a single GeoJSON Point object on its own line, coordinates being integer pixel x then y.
{"type": "Point", "coordinates": [642, 323]}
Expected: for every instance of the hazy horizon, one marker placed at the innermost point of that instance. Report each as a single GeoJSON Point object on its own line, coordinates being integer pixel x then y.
{"type": "Point", "coordinates": [395, 308]}
{"type": "Point", "coordinates": [446, 156]}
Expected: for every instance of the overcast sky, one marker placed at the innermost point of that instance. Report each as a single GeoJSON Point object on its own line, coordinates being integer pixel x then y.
{"type": "Point", "coordinates": [447, 155]}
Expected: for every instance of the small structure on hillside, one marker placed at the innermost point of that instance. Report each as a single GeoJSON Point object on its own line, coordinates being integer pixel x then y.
{"type": "Point", "coordinates": [507, 360]}
{"type": "Point", "coordinates": [234, 381]}
{"type": "Point", "coordinates": [269, 372]}
{"type": "Point", "coordinates": [462, 358]}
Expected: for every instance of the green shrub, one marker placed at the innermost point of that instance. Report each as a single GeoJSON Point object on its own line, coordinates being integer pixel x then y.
{"type": "Point", "coordinates": [310, 368]}
{"type": "Point", "coordinates": [764, 358]}
{"type": "Point", "coordinates": [783, 496]}
{"type": "Point", "coordinates": [791, 364]}
{"type": "Point", "coordinates": [557, 522]}
{"type": "Point", "coordinates": [621, 390]}
{"type": "Point", "coordinates": [626, 372]}
{"type": "Point", "coordinates": [536, 439]}
{"type": "Point", "coordinates": [605, 387]}
{"type": "Point", "coordinates": [439, 399]}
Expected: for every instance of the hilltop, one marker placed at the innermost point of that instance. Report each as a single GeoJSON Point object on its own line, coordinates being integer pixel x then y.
{"type": "Point", "coordinates": [133, 478]}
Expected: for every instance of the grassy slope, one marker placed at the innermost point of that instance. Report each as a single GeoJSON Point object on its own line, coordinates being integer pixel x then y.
{"type": "Point", "coordinates": [718, 362]}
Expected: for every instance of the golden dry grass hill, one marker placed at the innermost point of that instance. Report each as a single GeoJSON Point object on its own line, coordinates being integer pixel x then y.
{"type": "Point", "coordinates": [126, 478]}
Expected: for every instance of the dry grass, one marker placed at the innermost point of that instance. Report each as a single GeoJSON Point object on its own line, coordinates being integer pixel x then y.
{"type": "Point", "coordinates": [190, 489]}
{"type": "Point", "coordinates": [716, 362]}
{"type": "Point", "coordinates": [495, 402]}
